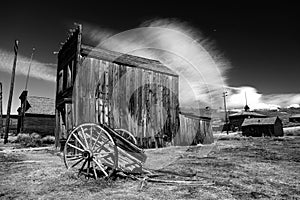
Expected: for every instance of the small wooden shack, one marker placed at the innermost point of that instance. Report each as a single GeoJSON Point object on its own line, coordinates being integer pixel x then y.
{"type": "Point", "coordinates": [258, 127]}
{"type": "Point", "coordinates": [295, 118]}
{"type": "Point", "coordinates": [195, 127]}
{"type": "Point", "coordinates": [123, 91]}
{"type": "Point", "coordinates": [39, 115]}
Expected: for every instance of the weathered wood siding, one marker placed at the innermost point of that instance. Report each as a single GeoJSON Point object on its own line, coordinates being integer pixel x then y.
{"type": "Point", "coordinates": [12, 125]}
{"type": "Point", "coordinates": [193, 131]}
{"type": "Point", "coordinates": [43, 125]}
{"type": "Point", "coordinates": [141, 101]}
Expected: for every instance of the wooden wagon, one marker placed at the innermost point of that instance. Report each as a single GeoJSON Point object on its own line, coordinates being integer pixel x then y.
{"type": "Point", "coordinates": [98, 150]}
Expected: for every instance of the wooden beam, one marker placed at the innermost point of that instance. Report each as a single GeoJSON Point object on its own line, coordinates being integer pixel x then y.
{"type": "Point", "coordinates": [11, 92]}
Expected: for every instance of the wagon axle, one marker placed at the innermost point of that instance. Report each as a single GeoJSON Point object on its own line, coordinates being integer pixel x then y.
{"type": "Point", "coordinates": [88, 155]}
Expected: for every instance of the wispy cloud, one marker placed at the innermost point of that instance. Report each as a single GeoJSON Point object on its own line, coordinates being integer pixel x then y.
{"type": "Point", "coordinates": [43, 71]}
{"type": "Point", "coordinates": [180, 47]}
{"type": "Point", "coordinates": [201, 67]}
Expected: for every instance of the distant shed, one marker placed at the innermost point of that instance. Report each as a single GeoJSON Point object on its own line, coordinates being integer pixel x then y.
{"type": "Point", "coordinates": [271, 126]}
{"type": "Point", "coordinates": [295, 118]}
{"type": "Point", "coordinates": [39, 115]}
{"type": "Point", "coordinates": [195, 128]}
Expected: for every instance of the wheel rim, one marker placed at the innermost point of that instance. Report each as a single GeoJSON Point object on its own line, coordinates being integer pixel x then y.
{"type": "Point", "coordinates": [127, 135]}
{"type": "Point", "coordinates": [91, 150]}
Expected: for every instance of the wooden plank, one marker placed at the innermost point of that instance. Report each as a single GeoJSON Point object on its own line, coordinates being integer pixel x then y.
{"type": "Point", "coordinates": [136, 103]}
{"type": "Point", "coordinates": [146, 107]}
{"type": "Point", "coordinates": [107, 92]}
{"type": "Point", "coordinates": [122, 97]}
{"type": "Point", "coordinates": [139, 105]}
{"type": "Point", "coordinates": [154, 106]}
{"type": "Point", "coordinates": [129, 90]}
{"type": "Point", "coordinates": [159, 105]}
{"type": "Point", "coordinates": [115, 89]}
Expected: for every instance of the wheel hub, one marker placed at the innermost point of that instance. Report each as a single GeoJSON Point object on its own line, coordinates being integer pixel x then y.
{"type": "Point", "coordinates": [87, 154]}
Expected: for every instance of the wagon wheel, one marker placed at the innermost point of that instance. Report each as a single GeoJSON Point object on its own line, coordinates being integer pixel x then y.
{"type": "Point", "coordinates": [91, 150]}
{"type": "Point", "coordinates": [127, 135]}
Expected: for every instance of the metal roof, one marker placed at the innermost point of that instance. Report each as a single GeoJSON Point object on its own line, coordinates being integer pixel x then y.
{"type": "Point", "coordinates": [260, 121]}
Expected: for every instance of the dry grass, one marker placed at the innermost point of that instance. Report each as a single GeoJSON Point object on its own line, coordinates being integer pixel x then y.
{"type": "Point", "coordinates": [292, 131]}
{"type": "Point", "coordinates": [254, 168]}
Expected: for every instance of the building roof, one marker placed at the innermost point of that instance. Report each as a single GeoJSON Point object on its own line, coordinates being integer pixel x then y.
{"type": "Point", "coordinates": [127, 59]}
{"type": "Point", "coordinates": [260, 121]}
{"type": "Point", "coordinates": [41, 105]}
{"type": "Point", "coordinates": [247, 113]}
{"type": "Point", "coordinates": [295, 116]}
{"type": "Point", "coordinates": [88, 47]}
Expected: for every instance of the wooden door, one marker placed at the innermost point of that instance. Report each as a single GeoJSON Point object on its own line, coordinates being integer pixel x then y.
{"type": "Point", "coordinates": [102, 101]}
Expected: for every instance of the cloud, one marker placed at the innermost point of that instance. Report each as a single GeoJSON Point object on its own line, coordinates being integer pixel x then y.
{"type": "Point", "coordinates": [255, 100]}
{"type": "Point", "coordinates": [201, 68]}
{"type": "Point", "coordinates": [43, 71]}
{"type": "Point", "coordinates": [295, 105]}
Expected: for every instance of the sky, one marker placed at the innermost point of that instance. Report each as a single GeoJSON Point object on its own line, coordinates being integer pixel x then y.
{"type": "Point", "coordinates": [259, 41]}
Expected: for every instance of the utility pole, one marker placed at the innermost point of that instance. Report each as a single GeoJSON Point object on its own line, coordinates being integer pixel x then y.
{"type": "Point", "coordinates": [1, 121]}
{"type": "Point", "coordinates": [12, 82]}
{"type": "Point", "coordinates": [226, 118]}
{"type": "Point", "coordinates": [24, 106]}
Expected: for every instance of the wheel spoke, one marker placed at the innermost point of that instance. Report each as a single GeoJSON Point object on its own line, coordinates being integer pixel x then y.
{"type": "Point", "coordinates": [75, 158]}
{"type": "Point", "coordinates": [71, 145]}
{"type": "Point", "coordinates": [102, 145]}
{"type": "Point", "coordinates": [82, 167]}
{"type": "Point", "coordinates": [94, 169]}
{"type": "Point", "coordinates": [91, 136]}
{"type": "Point", "coordinates": [88, 168]}
{"type": "Point", "coordinates": [77, 163]}
{"type": "Point", "coordinates": [96, 140]}
{"type": "Point", "coordinates": [73, 155]}
{"type": "Point", "coordinates": [79, 141]}
{"type": "Point", "coordinates": [87, 144]}
{"type": "Point", "coordinates": [101, 168]}
{"type": "Point", "coordinates": [101, 153]}
{"type": "Point", "coordinates": [104, 155]}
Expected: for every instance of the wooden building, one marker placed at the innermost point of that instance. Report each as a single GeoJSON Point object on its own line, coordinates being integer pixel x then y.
{"type": "Point", "coordinates": [39, 115]}
{"type": "Point", "coordinates": [236, 119]}
{"type": "Point", "coordinates": [195, 127]}
{"type": "Point", "coordinates": [124, 91]}
{"type": "Point", "coordinates": [258, 127]}
{"type": "Point", "coordinates": [12, 124]}
{"type": "Point", "coordinates": [295, 118]}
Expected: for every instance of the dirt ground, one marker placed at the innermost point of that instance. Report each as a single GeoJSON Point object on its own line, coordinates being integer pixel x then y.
{"type": "Point", "coordinates": [232, 168]}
